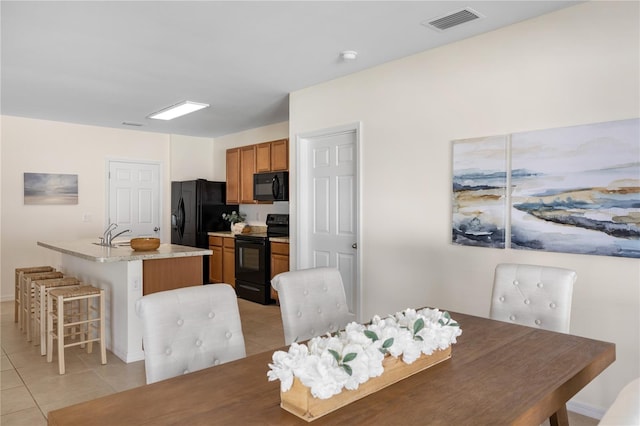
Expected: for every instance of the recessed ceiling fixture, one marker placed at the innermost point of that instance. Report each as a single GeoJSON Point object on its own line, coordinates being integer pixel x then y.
{"type": "Point", "coordinates": [349, 55]}
{"type": "Point", "coordinates": [178, 110]}
{"type": "Point", "coordinates": [452, 19]}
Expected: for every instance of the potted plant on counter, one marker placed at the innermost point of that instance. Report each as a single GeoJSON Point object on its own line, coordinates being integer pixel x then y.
{"type": "Point", "coordinates": [236, 219]}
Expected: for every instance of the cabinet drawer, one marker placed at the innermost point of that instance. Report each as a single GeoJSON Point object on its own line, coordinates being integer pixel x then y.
{"type": "Point", "coordinates": [215, 241]}
{"type": "Point", "coordinates": [280, 248]}
{"type": "Point", "coordinates": [229, 242]}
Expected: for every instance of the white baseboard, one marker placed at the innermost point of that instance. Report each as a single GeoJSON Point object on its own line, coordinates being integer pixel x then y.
{"type": "Point", "coordinates": [585, 409]}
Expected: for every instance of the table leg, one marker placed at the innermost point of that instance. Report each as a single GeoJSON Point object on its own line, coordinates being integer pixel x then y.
{"type": "Point", "coordinates": [560, 417]}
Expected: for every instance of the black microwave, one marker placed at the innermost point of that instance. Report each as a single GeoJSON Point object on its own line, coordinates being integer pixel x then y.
{"type": "Point", "coordinates": [271, 186]}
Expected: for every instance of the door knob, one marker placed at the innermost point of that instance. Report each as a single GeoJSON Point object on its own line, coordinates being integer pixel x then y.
{"type": "Point", "coordinates": [354, 245]}
{"type": "Point", "coordinates": [156, 229]}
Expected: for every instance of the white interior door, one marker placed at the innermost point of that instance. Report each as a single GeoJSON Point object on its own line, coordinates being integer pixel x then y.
{"type": "Point", "coordinates": [134, 198]}
{"type": "Point", "coordinates": [328, 208]}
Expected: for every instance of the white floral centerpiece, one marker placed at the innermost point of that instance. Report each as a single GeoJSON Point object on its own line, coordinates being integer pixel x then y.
{"type": "Point", "coordinates": [328, 364]}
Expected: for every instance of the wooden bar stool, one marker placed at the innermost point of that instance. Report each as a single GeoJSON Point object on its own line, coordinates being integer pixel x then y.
{"type": "Point", "coordinates": [27, 293]}
{"type": "Point", "coordinates": [19, 271]}
{"type": "Point", "coordinates": [42, 288]}
{"type": "Point", "coordinates": [89, 318]}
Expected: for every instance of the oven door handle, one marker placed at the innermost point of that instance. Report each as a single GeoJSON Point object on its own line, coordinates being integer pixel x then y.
{"type": "Point", "coordinates": [246, 287]}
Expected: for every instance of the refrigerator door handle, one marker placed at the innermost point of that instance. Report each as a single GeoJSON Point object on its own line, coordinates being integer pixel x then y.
{"type": "Point", "coordinates": [180, 218]}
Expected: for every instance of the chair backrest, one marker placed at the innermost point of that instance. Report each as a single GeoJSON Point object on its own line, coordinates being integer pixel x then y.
{"type": "Point", "coordinates": [188, 329]}
{"type": "Point", "coordinates": [625, 410]}
{"type": "Point", "coordinates": [533, 295]}
{"type": "Point", "coordinates": [312, 303]}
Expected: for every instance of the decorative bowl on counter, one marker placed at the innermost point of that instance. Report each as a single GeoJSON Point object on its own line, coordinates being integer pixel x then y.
{"type": "Point", "coordinates": [145, 244]}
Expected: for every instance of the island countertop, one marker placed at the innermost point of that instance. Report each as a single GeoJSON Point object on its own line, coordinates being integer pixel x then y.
{"type": "Point", "coordinates": [88, 250]}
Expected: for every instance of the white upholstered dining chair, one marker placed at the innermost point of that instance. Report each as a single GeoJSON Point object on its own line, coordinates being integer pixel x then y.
{"type": "Point", "coordinates": [533, 295]}
{"type": "Point", "coordinates": [625, 410]}
{"type": "Point", "coordinates": [188, 329]}
{"type": "Point", "coordinates": [312, 303]}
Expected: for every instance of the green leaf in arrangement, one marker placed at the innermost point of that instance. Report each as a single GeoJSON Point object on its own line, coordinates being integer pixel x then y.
{"type": "Point", "coordinates": [335, 354]}
{"type": "Point", "coordinates": [441, 322]}
{"type": "Point", "coordinates": [349, 357]}
{"type": "Point", "coordinates": [347, 369]}
{"type": "Point", "coordinates": [387, 343]}
{"type": "Point", "coordinates": [371, 335]}
{"type": "Point", "coordinates": [447, 316]}
{"type": "Point", "coordinates": [418, 325]}
{"type": "Point", "coordinates": [418, 338]}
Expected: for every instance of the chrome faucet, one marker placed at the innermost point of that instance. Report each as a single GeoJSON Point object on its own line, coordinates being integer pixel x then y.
{"type": "Point", "coordinates": [107, 238]}
{"type": "Point", "coordinates": [118, 234]}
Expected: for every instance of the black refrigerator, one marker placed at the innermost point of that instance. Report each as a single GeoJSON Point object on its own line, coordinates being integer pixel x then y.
{"type": "Point", "coordinates": [196, 209]}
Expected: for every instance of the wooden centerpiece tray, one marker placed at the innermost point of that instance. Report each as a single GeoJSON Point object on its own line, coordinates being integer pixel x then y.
{"type": "Point", "coordinates": [299, 401]}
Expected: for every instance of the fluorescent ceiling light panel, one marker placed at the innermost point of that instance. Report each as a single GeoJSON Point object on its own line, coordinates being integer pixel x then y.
{"type": "Point", "coordinates": [178, 110]}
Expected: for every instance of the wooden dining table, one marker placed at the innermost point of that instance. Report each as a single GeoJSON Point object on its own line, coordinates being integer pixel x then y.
{"type": "Point", "coordinates": [499, 374]}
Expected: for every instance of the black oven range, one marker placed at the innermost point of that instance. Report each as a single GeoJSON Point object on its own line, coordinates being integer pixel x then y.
{"type": "Point", "coordinates": [253, 260]}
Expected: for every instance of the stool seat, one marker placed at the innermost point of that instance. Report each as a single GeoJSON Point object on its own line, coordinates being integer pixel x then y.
{"type": "Point", "coordinates": [42, 288]}
{"type": "Point", "coordinates": [19, 271]}
{"type": "Point", "coordinates": [88, 317]}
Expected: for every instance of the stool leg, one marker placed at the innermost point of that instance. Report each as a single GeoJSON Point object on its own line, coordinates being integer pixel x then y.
{"type": "Point", "coordinates": [16, 304]}
{"type": "Point", "coordinates": [83, 329]}
{"type": "Point", "coordinates": [26, 307]}
{"type": "Point", "coordinates": [36, 316]}
{"type": "Point", "coordinates": [103, 349]}
{"type": "Point", "coordinates": [50, 314]}
{"type": "Point", "coordinates": [43, 314]}
{"type": "Point", "coordinates": [86, 334]}
{"type": "Point", "coordinates": [21, 313]}
{"type": "Point", "coordinates": [60, 316]}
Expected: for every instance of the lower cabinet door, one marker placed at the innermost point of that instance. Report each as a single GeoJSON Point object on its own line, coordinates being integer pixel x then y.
{"type": "Point", "coordinates": [215, 264]}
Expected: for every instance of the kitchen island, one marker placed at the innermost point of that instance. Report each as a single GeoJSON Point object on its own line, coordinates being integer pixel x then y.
{"type": "Point", "coordinates": [126, 275]}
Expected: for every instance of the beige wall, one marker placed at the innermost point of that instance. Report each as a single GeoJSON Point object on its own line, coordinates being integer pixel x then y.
{"type": "Point", "coordinates": [579, 65]}
{"type": "Point", "coordinates": [191, 158]}
{"type": "Point", "coordinates": [52, 147]}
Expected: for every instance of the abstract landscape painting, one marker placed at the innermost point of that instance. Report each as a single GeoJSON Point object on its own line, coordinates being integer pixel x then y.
{"type": "Point", "coordinates": [479, 192]}
{"type": "Point", "coordinates": [577, 189]}
{"type": "Point", "coordinates": [47, 188]}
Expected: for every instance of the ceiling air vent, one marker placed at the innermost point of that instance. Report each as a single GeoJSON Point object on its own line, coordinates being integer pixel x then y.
{"type": "Point", "coordinates": [452, 19]}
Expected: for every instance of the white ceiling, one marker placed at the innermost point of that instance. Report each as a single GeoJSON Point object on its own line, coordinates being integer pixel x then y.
{"type": "Point", "coordinates": [108, 62]}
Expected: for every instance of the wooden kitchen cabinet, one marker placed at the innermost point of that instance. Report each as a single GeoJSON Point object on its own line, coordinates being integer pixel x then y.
{"type": "Point", "coordinates": [229, 261]}
{"type": "Point", "coordinates": [280, 155]}
{"type": "Point", "coordinates": [171, 273]}
{"type": "Point", "coordinates": [245, 161]}
{"type": "Point", "coordinates": [272, 156]}
{"type": "Point", "coordinates": [222, 266]}
{"type": "Point", "coordinates": [233, 176]}
{"type": "Point", "coordinates": [247, 170]}
{"type": "Point", "coordinates": [263, 157]}
{"type": "Point", "coordinates": [279, 262]}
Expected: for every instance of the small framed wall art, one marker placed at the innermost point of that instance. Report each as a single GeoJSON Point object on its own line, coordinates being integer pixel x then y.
{"type": "Point", "coordinates": [50, 188]}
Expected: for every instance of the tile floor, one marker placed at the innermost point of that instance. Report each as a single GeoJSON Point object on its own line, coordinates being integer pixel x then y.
{"type": "Point", "coordinates": [30, 387]}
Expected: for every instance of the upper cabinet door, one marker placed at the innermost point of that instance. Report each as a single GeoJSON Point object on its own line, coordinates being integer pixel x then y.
{"type": "Point", "coordinates": [233, 176]}
{"type": "Point", "coordinates": [280, 155]}
{"type": "Point", "coordinates": [263, 157]}
{"type": "Point", "coordinates": [247, 169]}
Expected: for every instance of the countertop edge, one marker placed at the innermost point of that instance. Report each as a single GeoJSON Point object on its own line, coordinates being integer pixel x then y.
{"type": "Point", "coordinates": [228, 234]}
{"type": "Point", "coordinates": [122, 254]}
